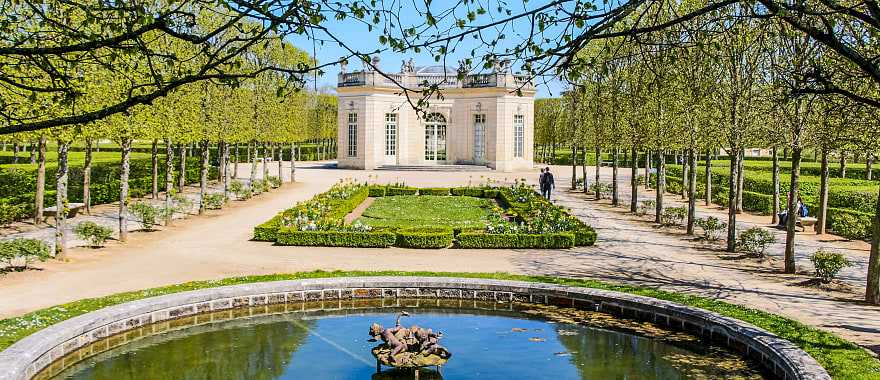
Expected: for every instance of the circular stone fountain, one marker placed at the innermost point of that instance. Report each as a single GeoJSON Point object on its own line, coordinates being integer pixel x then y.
{"type": "Point", "coordinates": [319, 329]}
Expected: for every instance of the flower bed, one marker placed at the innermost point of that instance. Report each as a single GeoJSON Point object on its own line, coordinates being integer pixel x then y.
{"type": "Point", "coordinates": [523, 220]}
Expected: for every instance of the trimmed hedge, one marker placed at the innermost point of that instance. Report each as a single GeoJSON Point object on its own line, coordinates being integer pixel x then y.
{"type": "Point", "coordinates": [424, 238]}
{"type": "Point", "coordinates": [372, 239]}
{"type": "Point", "coordinates": [491, 193]}
{"type": "Point", "coordinates": [339, 208]}
{"type": "Point", "coordinates": [482, 240]}
{"type": "Point", "coordinates": [392, 191]}
{"type": "Point", "coordinates": [268, 231]}
{"type": "Point", "coordinates": [377, 191]}
{"type": "Point", "coordinates": [584, 236]}
{"type": "Point", "coordinates": [441, 191]}
{"type": "Point", "coordinates": [470, 192]}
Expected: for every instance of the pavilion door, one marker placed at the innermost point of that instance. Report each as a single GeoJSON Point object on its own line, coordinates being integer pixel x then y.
{"type": "Point", "coordinates": [435, 138]}
{"type": "Point", "coordinates": [391, 139]}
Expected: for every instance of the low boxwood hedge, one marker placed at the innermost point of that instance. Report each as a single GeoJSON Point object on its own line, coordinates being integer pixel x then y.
{"type": "Point", "coordinates": [469, 192]}
{"type": "Point", "coordinates": [339, 208]}
{"type": "Point", "coordinates": [268, 231]}
{"type": "Point", "coordinates": [491, 193]}
{"type": "Point", "coordinates": [434, 191]}
{"type": "Point", "coordinates": [482, 240]}
{"type": "Point", "coordinates": [371, 239]}
{"type": "Point", "coordinates": [424, 237]}
{"type": "Point", "coordinates": [584, 236]}
{"type": "Point", "coordinates": [391, 191]}
{"type": "Point", "coordinates": [377, 191]}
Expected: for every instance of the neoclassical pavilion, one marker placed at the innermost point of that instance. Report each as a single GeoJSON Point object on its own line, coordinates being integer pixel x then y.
{"type": "Point", "coordinates": [480, 120]}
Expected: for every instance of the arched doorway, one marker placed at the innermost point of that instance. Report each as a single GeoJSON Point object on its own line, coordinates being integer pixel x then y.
{"type": "Point", "coordinates": [435, 138]}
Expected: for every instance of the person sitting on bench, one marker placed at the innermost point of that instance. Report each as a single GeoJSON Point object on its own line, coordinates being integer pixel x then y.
{"type": "Point", "coordinates": [801, 211]}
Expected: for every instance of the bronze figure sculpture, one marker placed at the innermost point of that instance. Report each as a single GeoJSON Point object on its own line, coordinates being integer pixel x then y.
{"type": "Point", "coordinates": [402, 347]}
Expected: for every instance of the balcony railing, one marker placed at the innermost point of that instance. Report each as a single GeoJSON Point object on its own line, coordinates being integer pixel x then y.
{"type": "Point", "coordinates": [447, 80]}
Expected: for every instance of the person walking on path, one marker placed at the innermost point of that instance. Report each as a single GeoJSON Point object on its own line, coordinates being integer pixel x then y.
{"type": "Point", "coordinates": [547, 183]}
{"type": "Point", "coordinates": [541, 182]}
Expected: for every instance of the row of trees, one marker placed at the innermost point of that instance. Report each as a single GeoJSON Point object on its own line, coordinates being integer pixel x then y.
{"type": "Point", "coordinates": [260, 114]}
{"type": "Point", "coordinates": [726, 81]}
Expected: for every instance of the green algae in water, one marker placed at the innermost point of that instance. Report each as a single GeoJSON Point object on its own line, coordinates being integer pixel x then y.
{"type": "Point", "coordinates": [529, 343]}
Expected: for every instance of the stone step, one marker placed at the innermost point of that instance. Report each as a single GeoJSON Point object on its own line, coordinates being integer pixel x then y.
{"type": "Point", "coordinates": [436, 168]}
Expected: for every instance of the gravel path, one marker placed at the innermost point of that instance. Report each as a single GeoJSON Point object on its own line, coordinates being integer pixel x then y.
{"type": "Point", "coordinates": [629, 250]}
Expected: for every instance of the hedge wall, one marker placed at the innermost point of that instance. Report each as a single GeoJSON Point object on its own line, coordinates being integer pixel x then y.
{"type": "Point", "coordinates": [392, 191]}
{"type": "Point", "coordinates": [434, 191]}
{"type": "Point", "coordinates": [424, 238]}
{"type": "Point", "coordinates": [482, 240]}
{"type": "Point", "coordinates": [472, 192]}
{"type": "Point", "coordinates": [372, 239]}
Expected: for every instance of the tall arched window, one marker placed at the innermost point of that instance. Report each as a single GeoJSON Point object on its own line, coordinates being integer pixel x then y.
{"type": "Point", "coordinates": [435, 137]}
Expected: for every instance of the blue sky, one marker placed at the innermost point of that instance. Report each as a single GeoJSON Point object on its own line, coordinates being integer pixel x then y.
{"type": "Point", "coordinates": [356, 35]}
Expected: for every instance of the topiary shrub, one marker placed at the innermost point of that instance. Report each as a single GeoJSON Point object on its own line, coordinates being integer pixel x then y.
{"type": "Point", "coordinates": [434, 191]}
{"type": "Point", "coordinates": [828, 264]}
{"type": "Point", "coordinates": [673, 216]}
{"type": "Point", "coordinates": [711, 227]}
{"type": "Point", "coordinates": [145, 213]}
{"type": "Point", "coordinates": [273, 182]}
{"type": "Point", "coordinates": [602, 188]}
{"type": "Point", "coordinates": [755, 241]}
{"type": "Point", "coordinates": [8, 214]}
{"type": "Point", "coordinates": [241, 191]}
{"type": "Point", "coordinates": [851, 226]}
{"type": "Point", "coordinates": [92, 232]}
{"type": "Point", "coordinates": [214, 201]}
{"type": "Point", "coordinates": [24, 251]}
{"type": "Point", "coordinates": [424, 238]}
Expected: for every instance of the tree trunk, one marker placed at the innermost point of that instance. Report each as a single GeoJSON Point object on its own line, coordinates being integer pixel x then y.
{"type": "Point", "coordinates": [822, 216]}
{"type": "Point", "coordinates": [792, 209]}
{"type": "Point", "coordinates": [842, 164]}
{"type": "Point", "coordinates": [685, 174]}
{"type": "Point", "coordinates": [181, 181]}
{"type": "Point", "coordinates": [692, 191]}
{"type": "Point", "coordinates": [34, 153]}
{"type": "Point", "coordinates": [872, 291]}
{"type": "Point", "coordinates": [869, 165]}
{"type": "Point", "coordinates": [584, 168]}
{"type": "Point", "coordinates": [740, 180]}
{"type": "Point", "coordinates": [731, 203]}
{"type": "Point", "coordinates": [708, 177]}
{"type": "Point", "coordinates": [598, 170]}
{"type": "Point", "coordinates": [280, 163]}
{"type": "Point", "coordinates": [235, 163]}
{"type": "Point", "coordinates": [203, 178]}
{"type": "Point", "coordinates": [265, 152]}
{"type": "Point", "coordinates": [292, 162]}
{"type": "Point", "coordinates": [222, 163]}
{"type": "Point", "coordinates": [661, 185]}
{"type": "Point", "coordinates": [123, 189]}
{"type": "Point", "coordinates": [615, 191]}
{"type": "Point", "coordinates": [169, 181]}
{"type": "Point", "coordinates": [785, 153]}
{"type": "Point", "coordinates": [634, 181]}
{"type": "Point", "coordinates": [649, 157]}
{"type": "Point", "coordinates": [15, 153]}
{"type": "Point", "coordinates": [252, 157]}
{"type": "Point", "coordinates": [87, 178]}
{"type": "Point", "coordinates": [775, 186]}
{"type": "Point", "coordinates": [154, 176]}
{"type": "Point", "coordinates": [61, 201]}
{"type": "Point", "coordinates": [574, 174]}
{"type": "Point", "coordinates": [41, 182]}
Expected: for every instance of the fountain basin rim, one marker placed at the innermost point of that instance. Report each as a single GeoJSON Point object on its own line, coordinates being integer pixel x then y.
{"type": "Point", "coordinates": [27, 357]}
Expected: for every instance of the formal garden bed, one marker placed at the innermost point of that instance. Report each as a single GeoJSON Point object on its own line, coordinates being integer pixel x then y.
{"type": "Point", "coordinates": [462, 217]}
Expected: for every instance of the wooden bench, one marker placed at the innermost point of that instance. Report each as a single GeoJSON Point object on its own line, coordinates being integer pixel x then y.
{"type": "Point", "coordinates": [606, 163]}
{"type": "Point", "coordinates": [72, 210]}
{"type": "Point", "coordinates": [806, 221]}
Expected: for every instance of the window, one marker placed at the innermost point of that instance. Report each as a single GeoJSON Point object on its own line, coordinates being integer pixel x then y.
{"type": "Point", "coordinates": [390, 134]}
{"type": "Point", "coordinates": [435, 137]}
{"type": "Point", "coordinates": [518, 135]}
{"type": "Point", "coordinates": [479, 137]}
{"type": "Point", "coordinates": [352, 134]}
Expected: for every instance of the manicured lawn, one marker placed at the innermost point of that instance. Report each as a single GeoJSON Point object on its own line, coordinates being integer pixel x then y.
{"type": "Point", "coordinates": [404, 211]}
{"type": "Point", "coordinates": [842, 359]}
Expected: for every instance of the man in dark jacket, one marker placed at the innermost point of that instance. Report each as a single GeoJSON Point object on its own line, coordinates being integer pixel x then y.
{"type": "Point", "coordinates": [547, 183]}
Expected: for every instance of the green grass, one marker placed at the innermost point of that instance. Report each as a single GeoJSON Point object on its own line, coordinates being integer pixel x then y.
{"type": "Point", "coordinates": [403, 211]}
{"type": "Point", "coordinates": [842, 359]}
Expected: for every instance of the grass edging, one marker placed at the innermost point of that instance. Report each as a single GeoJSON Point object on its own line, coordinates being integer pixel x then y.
{"type": "Point", "coordinates": [842, 359]}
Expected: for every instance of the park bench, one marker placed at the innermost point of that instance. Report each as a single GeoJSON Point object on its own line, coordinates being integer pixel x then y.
{"type": "Point", "coordinates": [605, 163]}
{"type": "Point", "coordinates": [72, 210]}
{"type": "Point", "coordinates": [806, 221]}
{"type": "Point", "coordinates": [268, 159]}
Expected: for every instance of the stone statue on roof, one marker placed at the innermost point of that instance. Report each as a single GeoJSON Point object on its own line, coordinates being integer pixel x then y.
{"type": "Point", "coordinates": [408, 66]}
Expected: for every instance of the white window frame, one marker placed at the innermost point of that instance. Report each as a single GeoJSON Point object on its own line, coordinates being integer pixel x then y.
{"type": "Point", "coordinates": [519, 130]}
{"type": "Point", "coordinates": [352, 134]}
{"type": "Point", "coordinates": [479, 136]}
{"type": "Point", "coordinates": [390, 134]}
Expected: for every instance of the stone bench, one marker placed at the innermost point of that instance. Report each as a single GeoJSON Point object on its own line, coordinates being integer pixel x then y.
{"type": "Point", "coordinates": [807, 221]}
{"type": "Point", "coordinates": [72, 210]}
